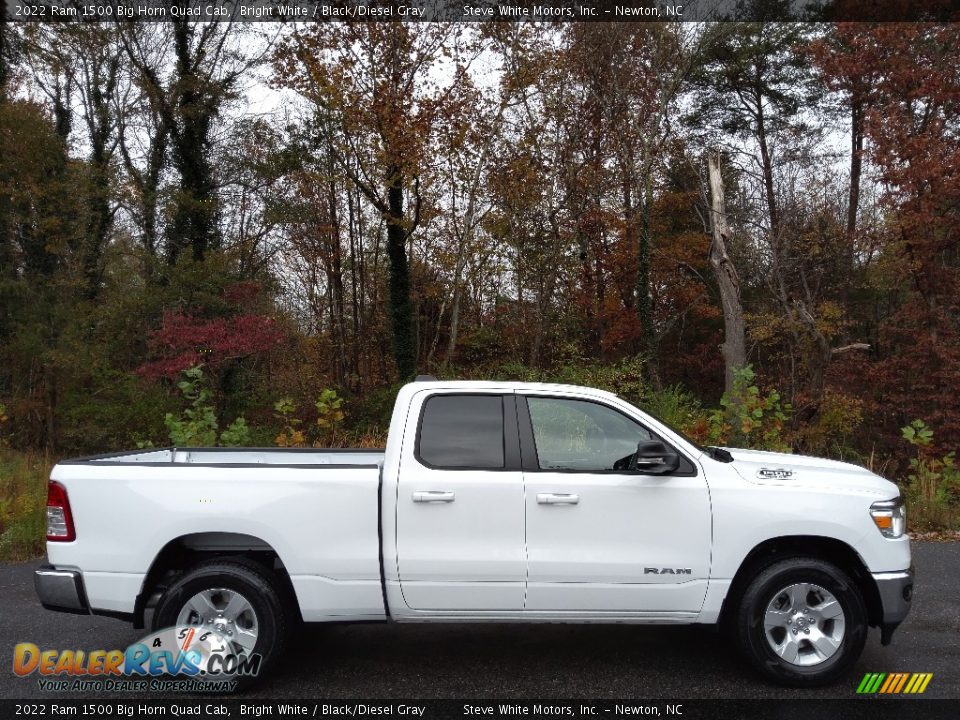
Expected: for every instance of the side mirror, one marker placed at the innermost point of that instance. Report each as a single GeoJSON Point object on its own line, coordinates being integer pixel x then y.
{"type": "Point", "coordinates": [655, 458]}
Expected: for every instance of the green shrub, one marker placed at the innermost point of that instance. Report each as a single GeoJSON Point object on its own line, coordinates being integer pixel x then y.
{"type": "Point", "coordinates": [674, 406]}
{"type": "Point", "coordinates": [236, 434]}
{"type": "Point", "coordinates": [330, 415]}
{"type": "Point", "coordinates": [122, 411]}
{"type": "Point", "coordinates": [933, 483]}
{"type": "Point", "coordinates": [624, 378]}
{"type": "Point", "coordinates": [374, 408]}
{"type": "Point", "coordinates": [514, 370]}
{"type": "Point", "coordinates": [197, 424]}
{"type": "Point", "coordinates": [23, 501]}
{"type": "Point", "coordinates": [831, 432]}
{"type": "Point", "coordinates": [291, 434]}
{"type": "Point", "coordinates": [746, 418]}
{"type": "Point", "coordinates": [329, 412]}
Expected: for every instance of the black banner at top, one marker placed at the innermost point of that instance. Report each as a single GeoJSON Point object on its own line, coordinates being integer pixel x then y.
{"type": "Point", "coordinates": [570, 709]}
{"type": "Point", "coordinates": [482, 10]}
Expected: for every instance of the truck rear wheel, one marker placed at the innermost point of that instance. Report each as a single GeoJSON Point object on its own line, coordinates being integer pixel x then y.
{"type": "Point", "coordinates": [802, 622]}
{"type": "Point", "coordinates": [239, 600]}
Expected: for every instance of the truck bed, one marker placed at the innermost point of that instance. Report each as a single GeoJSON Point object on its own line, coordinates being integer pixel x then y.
{"type": "Point", "coordinates": [317, 510]}
{"type": "Point", "coordinates": [238, 457]}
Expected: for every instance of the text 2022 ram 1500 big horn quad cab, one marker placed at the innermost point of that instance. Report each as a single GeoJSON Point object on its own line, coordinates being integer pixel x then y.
{"type": "Point", "coordinates": [492, 502]}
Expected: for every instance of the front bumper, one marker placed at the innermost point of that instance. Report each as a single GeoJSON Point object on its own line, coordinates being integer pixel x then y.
{"type": "Point", "coordinates": [896, 594]}
{"type": "Point", "coordinates": [61, 590]}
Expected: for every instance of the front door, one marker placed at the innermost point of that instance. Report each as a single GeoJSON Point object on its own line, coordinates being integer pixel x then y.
{"type": "Point", "coordinates": [460, 514]}
{"type": "Point", "coordinates": [602, 538]}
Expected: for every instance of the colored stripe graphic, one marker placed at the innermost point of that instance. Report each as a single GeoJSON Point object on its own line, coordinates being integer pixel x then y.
{"type": "Point", "coordinates": [894, 683]}
{"type": "Point", "coordinates": [870, 683]}
{"type": "Point", "coordinates": [918, 683]}
{"type": "Point", "coordinates": [903, 681]}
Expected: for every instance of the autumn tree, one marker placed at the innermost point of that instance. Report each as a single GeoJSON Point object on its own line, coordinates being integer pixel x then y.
{"type": "Point", "coordinates": [912, 126]}
{"type": "Point", "coordinates": [531, 186]}
{"type": "Point", "coordinates": [189, 72]}
{"type": "Point", "coordinates": [655, 63]}
{"type": "Point", "coordinates": [322, 246]}
{"type": "Point", "coordinates": [7, 50]}
{"type": "Point", "coordinates": [87, 58]}
{"type": "Point", "coordinates": [38, 187]}
{"type": "Point", "coordinates": [377, 105]}
{"type": "Point", "coordinates": [846, 59]}
{"type": "Point", "coordinates": [754, 88]}
{"type": "Point", "coordinates": [470, 142]}
{"type": "Point", "coordinates": [6, 70]}
{"type": "Point", "coordinates": [144, 139]}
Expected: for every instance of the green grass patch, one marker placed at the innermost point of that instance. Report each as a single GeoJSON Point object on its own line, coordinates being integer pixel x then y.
{"type": "Point", "coordinates": [23, 500]}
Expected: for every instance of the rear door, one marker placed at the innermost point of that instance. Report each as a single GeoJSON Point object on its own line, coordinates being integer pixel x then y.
{"type": "Point", "coordinates": [460, 509]}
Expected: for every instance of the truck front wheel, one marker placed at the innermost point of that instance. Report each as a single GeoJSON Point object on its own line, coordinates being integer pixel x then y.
{"type": "Point", "coordinates": [237, 600]}
{"type": "Point", "coordinates": [802, 622]}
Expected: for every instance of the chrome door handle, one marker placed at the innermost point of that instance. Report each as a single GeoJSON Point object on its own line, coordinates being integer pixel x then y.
{"type": "Point", "coordinates": [433, 496]}
{"type": "Point", "coordinates": [557, 499]}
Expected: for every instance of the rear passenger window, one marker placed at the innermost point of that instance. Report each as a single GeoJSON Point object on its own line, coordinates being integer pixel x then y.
{"type": "Point", "coordinates": [462, 431]}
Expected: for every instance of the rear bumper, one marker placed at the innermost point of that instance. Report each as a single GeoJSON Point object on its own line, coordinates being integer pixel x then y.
{"type": "Point", "coordinates": [896, 595]}
{"type": "Point", "coordinates": [61, 590]}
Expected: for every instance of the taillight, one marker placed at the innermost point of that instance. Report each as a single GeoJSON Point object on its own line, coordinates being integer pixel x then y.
{"type": "Point", "coordinates": [59, 519]}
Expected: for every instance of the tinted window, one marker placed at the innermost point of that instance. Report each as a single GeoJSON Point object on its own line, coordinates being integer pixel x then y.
{"type": "Point", "coordinates": [581, 435]}
{"type": "Point", "coordinates": [462, 431]}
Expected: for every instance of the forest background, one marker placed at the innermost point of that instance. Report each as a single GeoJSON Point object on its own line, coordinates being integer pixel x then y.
{"type": "Point", "coordinates": [246, 234]}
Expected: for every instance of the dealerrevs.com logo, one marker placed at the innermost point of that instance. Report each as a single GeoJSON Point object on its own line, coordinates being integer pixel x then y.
{"type": "Point", "coordinates": [179, 658]}
{"type": "Point", "coordinates": [894, 683]}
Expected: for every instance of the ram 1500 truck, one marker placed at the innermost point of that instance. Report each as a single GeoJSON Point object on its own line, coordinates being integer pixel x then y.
{"type": "Point", "coordinates": [492, 502]}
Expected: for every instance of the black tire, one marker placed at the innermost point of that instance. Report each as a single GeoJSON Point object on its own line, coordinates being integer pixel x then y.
{"type": "Point", "coordinates": [766, 587]}
{"type": "Point", "coordinates": [275, 618]}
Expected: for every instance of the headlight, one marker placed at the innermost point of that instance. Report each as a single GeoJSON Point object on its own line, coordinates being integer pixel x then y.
{"type": "Point", "coordinates": [890, 517]}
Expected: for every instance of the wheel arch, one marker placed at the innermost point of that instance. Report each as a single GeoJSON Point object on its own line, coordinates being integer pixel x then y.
{"type": "Point", "coordinates": [185, 551]}
{"type": "Point", "coordinates": [819, 547]}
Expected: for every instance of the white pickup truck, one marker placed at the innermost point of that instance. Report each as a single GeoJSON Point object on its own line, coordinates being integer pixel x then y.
{"type": "Point", "coordinates": [493, 502]}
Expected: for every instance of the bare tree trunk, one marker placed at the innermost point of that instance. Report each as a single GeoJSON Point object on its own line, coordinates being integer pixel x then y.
{"type": "Point", "coordinates": [401, 306]}
{"type": "Point", "coordinates": [336, 278]}
{"type": "Point", "coordinates": [767, 167]}
{"type": "Point", "coordinates": [469, 226]}
{"type": "Point", "coordinates": [856, 164]}
{"type": "Point", "coordinates": [734, 344]}
{"type": "Point", "coordinates": [856, 171]}
{"type": "Point", "coordinates": [648, 335]}
{"type": "Point", "coordinates": [454, 325]}
{"type": "Point", "coordinates": [819, 356]}
{"type": "Point", "coordinates": [355, 256]}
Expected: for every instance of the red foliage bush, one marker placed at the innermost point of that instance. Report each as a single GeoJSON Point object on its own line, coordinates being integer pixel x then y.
{"type": "Point", "coordinates": [184, 341]}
